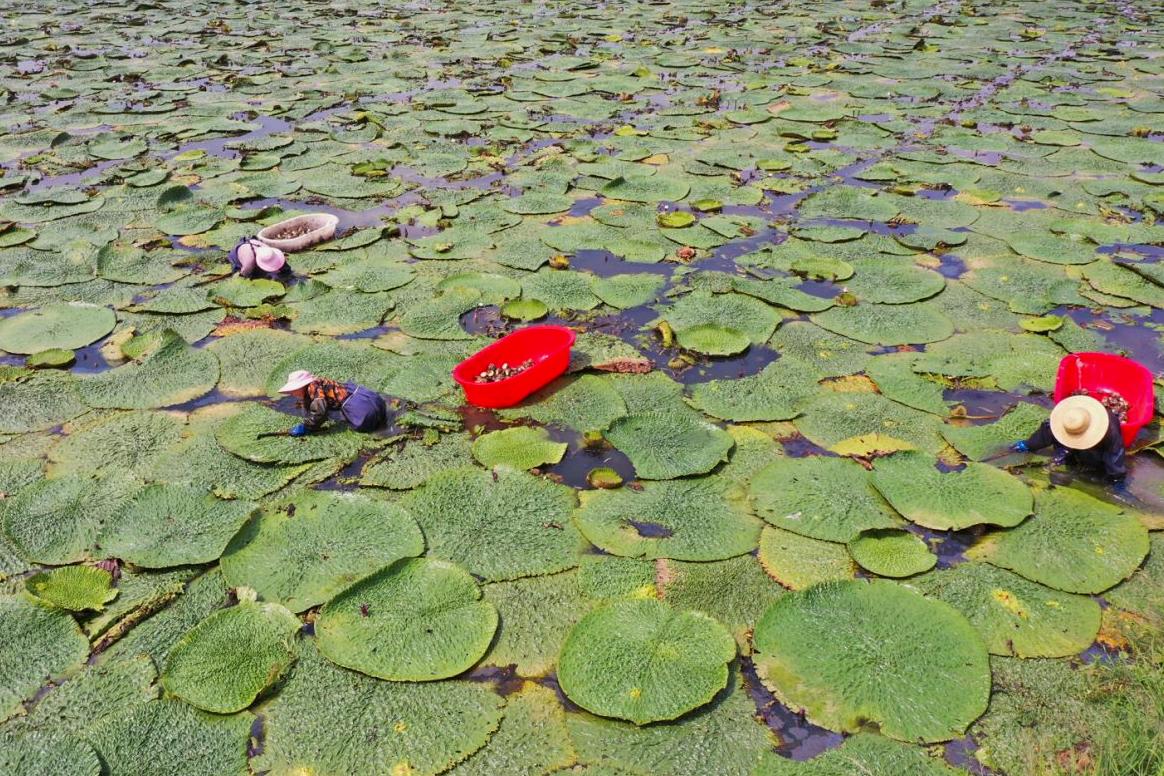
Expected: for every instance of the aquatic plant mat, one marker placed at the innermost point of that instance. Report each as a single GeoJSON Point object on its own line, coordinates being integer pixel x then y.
{"type": "Point", "coordinates": [822, 260]}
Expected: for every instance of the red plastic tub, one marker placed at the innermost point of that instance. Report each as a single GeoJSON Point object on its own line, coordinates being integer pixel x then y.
{"type": "Point", "coordinates": [548, 347]}
{"type": "Point", "coordinates": [1099, 373]}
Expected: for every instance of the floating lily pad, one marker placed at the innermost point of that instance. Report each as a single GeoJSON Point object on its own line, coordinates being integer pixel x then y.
{"type": "Point", "coordinates": [713, 340]}
{"type": "Point", "coordinates": [644, 661]}
{"type": "Point", "coordinates": [797, 561]}
{"type": "Point", "coordinates": [895, 324]}
{"type": "Point", "coordinates": [75, 588]}
{"type": "Point", "coordinates": [890, 552]}
{"type": "Point", "coordinates": [521, 447]}
{"type": "Point", "coordinates": [65, 326]}
{"type": "Point", "coordinates": [980, 442]}
{"type": "Point", "coordinates": [424, 728]}
{"type": "Point", "coordinates": [778, 392]}
{"type": "Point", "coordinates": [952, 500]}
{"type": "Point", "coordinates": [171, 373]}
{"type": "Point", "coordinates": [232, 656]}
{"type": "Point", "coordinates": [416, 620]}
{"type": "Point", "coordinates": [502, 524]}
{"type": "Point", "coordinates": [173, 525]}
{"type": "Point", "coordinates": [532, 737]}
{"type": "Point", "coordinates": [259, 434]}
{"type": "Point", "coordinates": [644, 188]}
{"type": "Point", "coordinates": [823, 498]}
{"type": "Point", "coordinates": [1074, 543]}
{"type": "Point", "coordinates": [921, 674]}
{"type": "Point", "coordinates": [744, 314]}
{"type": "Point", "coordinates": [524, 309]}
{"type": "Point", "coordinates": [663, 445]}
{"type": "Point", "coordinates": [1015, 617]}
{"type": "Point", "coordinates": [40, 643]}
{"type": "Point", "coordinates": [301, 557]}
{"type": "Point", "coordinates": [57, 521]}
{"type": "Point", "coordinates": [177, 729]}
{"type": "Point", "coordinates": [698, 519]}
{"type": "Point", "coordinates": [35, 401]}
{"type": "Point", "coordinates": [861, 753]}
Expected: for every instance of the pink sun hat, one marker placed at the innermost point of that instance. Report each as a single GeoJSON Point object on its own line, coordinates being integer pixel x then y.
{"type": "Point", "coordinates": [297, 380]}
{"type": "Point", "coordinates": [269, 259]}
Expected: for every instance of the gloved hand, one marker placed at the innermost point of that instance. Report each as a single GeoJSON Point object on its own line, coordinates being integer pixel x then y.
{"type": "Point", "coordinates": [1119, 487]}
{"type": "Point", "coordinates": [298, 430]}
{"type": "Point", "coordinates": [1020, 447]}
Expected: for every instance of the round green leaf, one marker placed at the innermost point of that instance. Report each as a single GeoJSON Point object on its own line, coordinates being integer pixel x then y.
{"type": "Point", "coordinates": [75, 588]}
{"type": "Point", "coordinates": [778, 392]}
{"type": "Point", "coordinates": [891, 553]}
{"type": "Point", "coordinates": [229, 658]}
{"type": "Point", "coordinates": [667, 444]}
{"type": "Point", "coordinates": [676, 219]}
{"type": "Point", "coordinates": [853, 653]}
{"type": "Point", "coordinates": [172, 373]}
{"type": "Point", "coordinates": [39, 644]}
{"type": "Point", "coordinates": [889, 324]}
{"type": "Point", "coordinates": [501, 524]}
{"type": "Point", "coordinates": [176, 730]}
{"type": "Point", "coordinates": [57, 521]}
{"type": "Point", "coordinates": [1014, 616]}
{"type": "Point", "coordinates": [520, 447]}
{"type": "Point", "coordinates": [951, 500]}
{"type": "Point", "coordinates": [713, 340]}
{"type": "Point", "coordinates": [697, 519]}
{"type": "Point", "coordinates": [644, 661]}
{"type": "Point", "coordinates": [328, 720]}
{"type": "Point", "coordinates": [65, 326]}
{"type": "Point", "coordinates": [822, 498]}
{"type": "Point", "coordinates": [1074, 543]}
{"type": "Point", "coordinates": [173, 525]}
{"type": "Point", "coordinates": [524, 309]}
{"type": "Point", "coordinates": [417, 620]}
{"type": "Point", "coordinates": [302, 556]}
{"type": "Point", "coordinates": [797, 561]}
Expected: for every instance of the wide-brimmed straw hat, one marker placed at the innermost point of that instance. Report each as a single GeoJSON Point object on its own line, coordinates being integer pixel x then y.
{"type": "Point", "coordinates": [297, 380]}
{"type": "Point", "coordinates": [1079, 422]}
{"type": "Point", "coordinates": [269, 259]}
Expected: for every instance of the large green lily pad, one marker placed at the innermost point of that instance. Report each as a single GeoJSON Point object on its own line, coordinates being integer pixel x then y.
{"type": "Point", "coordinates": [419, 619]}
{"type": "Point", "coordinates": [798, 561]}
{"type": "Point", "coordinates": [644, 661]}
{"type": "Point", "coordinates": [697, 519]}
{"type": "Point", "coordinates": [66, 326]}
{"type": "Point", "coordinates": [950, 501]}
{"type": "Point", "coordinates": [823, 498]}
{"type": "Point", "coordinates": [520, 447]}
{"type": "Point", "coordinates": [304, 552]}
{"type": "Point", "coordinates": [173, 525]}
{"type": "Point", "coordinates": [668, 444]}
{"type": "Point", "coordinates": [1015, 617]}
{"type": "Point", "coordinates": [1074, 543]}
{"type": "Point", "coordinates": [329, 720]}
{"type": "Point", "coordinates": [853, 653]}
{"type": "Point", "coordinates": [172, 373]}
{"type": "Point", "coordinates": [890, 552]}
{"type": "Point", "coordinates": [40, 643]}
{"type": "Point", "coordinates": [58, 521]}
{"type": "Point", "coordinates": [500, 525]}
{"type": "Point", "coordinates": [862, 753]}
{"type": "Point", "coordinates": [231, 657]}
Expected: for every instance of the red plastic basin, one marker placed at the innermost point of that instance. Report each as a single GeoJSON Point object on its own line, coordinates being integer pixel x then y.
{"type": "Point", "coordinates": [1099, 373]}
{"type": "Point", "coordinates": [548, 347]}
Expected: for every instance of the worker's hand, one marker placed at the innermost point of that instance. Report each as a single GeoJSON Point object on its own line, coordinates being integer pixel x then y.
{"type": "Point", "coordinates": [1020, 447]}
{"type": "Point", "coordinates": [298, 430]}
{"type": "Point", "coordinates": [1119, 487]}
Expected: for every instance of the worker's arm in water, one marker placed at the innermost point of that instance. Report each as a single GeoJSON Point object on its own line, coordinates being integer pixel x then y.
{"type": "Point", "coordinates": [316, 414]}
{"type": "Point", "coordinates": [1038, 440]}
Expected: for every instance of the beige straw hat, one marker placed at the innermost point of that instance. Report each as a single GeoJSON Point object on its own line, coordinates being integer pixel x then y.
{"type": "Point", "coordinates": [297, 380]}
{"type": "Point", "coordinates": [1079, 422]}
